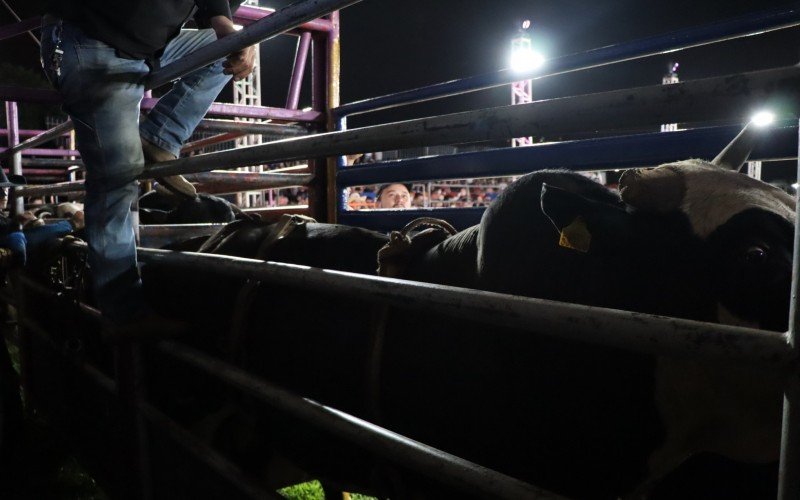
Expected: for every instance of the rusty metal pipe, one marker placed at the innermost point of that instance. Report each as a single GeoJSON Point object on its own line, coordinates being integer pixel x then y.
{"type": "Point", "coordinates": [628, 330]}
{"type": "Point", "coordinates": [270, 129]}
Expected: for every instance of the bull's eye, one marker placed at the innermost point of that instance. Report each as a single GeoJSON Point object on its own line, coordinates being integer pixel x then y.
{"type": "Point", "coordinates": [755, 255]}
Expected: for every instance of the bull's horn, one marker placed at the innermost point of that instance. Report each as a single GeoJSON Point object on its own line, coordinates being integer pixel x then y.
{"type": "Point", "coordinates": [658, 189]}
{"type": "Point", "coordinates": [736, 153]}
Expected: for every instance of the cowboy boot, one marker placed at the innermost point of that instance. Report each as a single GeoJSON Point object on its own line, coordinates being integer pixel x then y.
{"type": "Point", "coordinates": [177, 184]}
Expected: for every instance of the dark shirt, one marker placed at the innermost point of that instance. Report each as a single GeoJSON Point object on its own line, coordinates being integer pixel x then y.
{"type": "Point", "coordinates": [139, 29]}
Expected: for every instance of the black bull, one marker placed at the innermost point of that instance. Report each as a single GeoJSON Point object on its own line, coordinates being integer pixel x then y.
{"type": "Point", "coordinates": [577, 419]}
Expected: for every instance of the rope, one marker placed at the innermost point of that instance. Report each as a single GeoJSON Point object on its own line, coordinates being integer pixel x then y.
{"type": "Point", "coordinates": [393, 259]}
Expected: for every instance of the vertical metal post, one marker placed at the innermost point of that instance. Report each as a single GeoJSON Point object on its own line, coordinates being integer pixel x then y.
{"type": "Point", "coordinates": [298, 71]}
{"type": "Point", "coordinates": [12, 124]}
{"type": "Point", "coordinates": [789, 472]}
{"type": "Point", "coordinates": [333, 80]}
{"type": "Point", "coordinates": [318, 191]}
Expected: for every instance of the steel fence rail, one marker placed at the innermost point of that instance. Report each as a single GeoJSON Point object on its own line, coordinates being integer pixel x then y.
{"type": "Point", "coordinates": [271, 129]}
{"type": "Point", "coordinates": [219, 182]}
{"type": "Point", "coordinates": [223, 182]}
{"type": "Point", "coordinates": [623, 329]}
{"type": "Point", "coordinates": [678, 40]}
{"type": "Point", "coordinates": [727, 97]}
{"type": "Point", "coordinates": [606, 153]}
{"type": "Point", "coordinates": [433, 463]}
{"type": "Point", "coordinates": [51, 162]}
{"type": "Point", "coordinates": [247, 14]}
{"type": "Point", "coordinates": [282, 20]}
{"type": "Point", "coordinates": [45, 136]}
{"type": "Point", "coordinates": [789, 468]}
{"type": "Point", "coordinates": [45, 190]}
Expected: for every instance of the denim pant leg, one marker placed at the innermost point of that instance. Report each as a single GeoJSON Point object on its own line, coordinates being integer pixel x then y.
{"type": "Point", "coordinates": [171, 122]}
{"type": "Point", "coordinates": [40, 235]}
{"type": "Point", "coordinates": [102, 94]}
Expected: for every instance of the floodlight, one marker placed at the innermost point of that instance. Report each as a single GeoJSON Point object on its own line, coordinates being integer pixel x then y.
{"type": "Point", "coordinates": [763, 118]}
{"type": "Point", "coordinates": [524, 59]}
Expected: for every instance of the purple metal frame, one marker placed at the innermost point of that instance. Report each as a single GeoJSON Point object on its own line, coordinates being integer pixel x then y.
{"type": "Point", "coordinates": [247, 14]}
{"type": "Point", "coordinates": [298, 71]}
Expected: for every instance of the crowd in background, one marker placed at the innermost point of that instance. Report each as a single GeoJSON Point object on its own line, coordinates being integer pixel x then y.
{"type": "Point", "coordinates": [436, 194]}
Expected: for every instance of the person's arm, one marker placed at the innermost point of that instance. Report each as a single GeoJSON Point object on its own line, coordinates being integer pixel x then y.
{"type": "Point", "coordinates": [241, 63]}
{"type": "Point", "coordinates": [217, 15]}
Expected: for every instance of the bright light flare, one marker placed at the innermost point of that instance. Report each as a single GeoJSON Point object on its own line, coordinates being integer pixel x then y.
{"type": "Point", "coordinates": [763, 118]}
{"type": "Point", "coordinates": [525, 59]}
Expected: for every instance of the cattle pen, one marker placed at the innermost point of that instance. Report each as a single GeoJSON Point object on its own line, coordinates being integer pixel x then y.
{"type": "Point", "coordinates": [321, 136]}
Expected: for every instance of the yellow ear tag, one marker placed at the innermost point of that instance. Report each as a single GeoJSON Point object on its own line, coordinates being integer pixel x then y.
{"type": "Point", "coordinates": [576, 236]}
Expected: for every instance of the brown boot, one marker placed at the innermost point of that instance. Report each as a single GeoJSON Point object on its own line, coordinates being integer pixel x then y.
{"type": "Point", "coordinates": [175, 183]}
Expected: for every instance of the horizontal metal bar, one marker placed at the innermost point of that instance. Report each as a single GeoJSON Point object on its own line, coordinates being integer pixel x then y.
{"type": "Point", "coordinates": [210, 141]}
{"type": "Point", "coordinates": [211, 182]}
{"type": "Point", "coordinates": [282, 20]}
{"type": "Point", "coordinates": [44, 190]}
{"type": "Point", "coordinates": [727, 97]}
{"type": "Point", "coordinates": [683, 39]}
{"type": "Point", "coordinates": [50, 162]}
{"type": "Point", "coordinates": [269, 129]}
{"type": "Point", "coordinates": [623, 329]}
{"type": "Point", "coordinates": [21, 27]}
{"type": "Point", "coordinates": [59, 172]}
{"type": "Point", "coordinates": [246, 14]}
{"type": "Point", "coordinates": [429, 461]}
{"type": "Point", "coordinates": [45, 152]}
{"type": "Point", "coordinates": [159, 235]}
{"type": "Point", "coordinates": [250, 111]}
{"type": "Point", "coordinates": [46, 96]}
{"type": "Point", "coordinates": [218, 182]}
{"type": "Point", "coordinates": [606, 153]}
{"type": "Point", "coordinates": [40, 139]}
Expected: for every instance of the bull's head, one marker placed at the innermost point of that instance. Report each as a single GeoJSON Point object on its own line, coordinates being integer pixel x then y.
{"type": "Point", "coordinates": [746, 223]}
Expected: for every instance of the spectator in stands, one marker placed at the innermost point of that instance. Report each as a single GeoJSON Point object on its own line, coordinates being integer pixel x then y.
{"type": "Point", "coordinates": [395, 195]}
{"type": "Point", "coordinates": [98, 54]}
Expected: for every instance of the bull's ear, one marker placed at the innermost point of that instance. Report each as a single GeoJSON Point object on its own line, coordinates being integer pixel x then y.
{"type": "Point", "coordinates": [581, 223]}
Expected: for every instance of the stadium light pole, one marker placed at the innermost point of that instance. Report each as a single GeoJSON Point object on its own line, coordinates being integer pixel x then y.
{"type": "Point", "coordinates": [523, 60]}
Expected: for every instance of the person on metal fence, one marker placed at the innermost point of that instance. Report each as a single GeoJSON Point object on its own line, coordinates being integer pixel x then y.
{"type": "Point", "coordinates": [98, 55]}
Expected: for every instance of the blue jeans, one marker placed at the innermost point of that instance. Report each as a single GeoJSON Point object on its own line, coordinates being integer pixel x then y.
{"type": "Point", "coordinates": [102, 93]}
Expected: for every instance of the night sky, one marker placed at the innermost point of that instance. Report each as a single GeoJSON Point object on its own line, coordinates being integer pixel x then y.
{"type": "Point", "coordinates": [392, 45]}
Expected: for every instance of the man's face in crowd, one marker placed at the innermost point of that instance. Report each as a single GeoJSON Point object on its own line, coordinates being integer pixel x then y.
{"type": "Point", "coordinates": [395, 196]}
